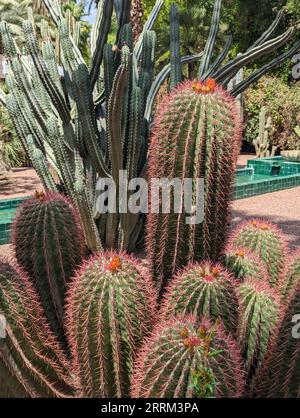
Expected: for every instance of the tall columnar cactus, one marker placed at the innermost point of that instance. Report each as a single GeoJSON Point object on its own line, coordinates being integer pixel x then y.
{"type": "Point", "coordinates": [49, 245]}
{"type": "Point", "coordinates": [31, 361]}
{"type": "Point", "coordinates": [89, 122]}
{"type": "Point", "coordinates": [196, 135]}
{"type": "Point", "coordinates": [267, 241]}
{"type": "Point", "coordinates": [110, 310]}
{"type": "Point", "coordinates": [280, 376]}
{"type": "Point", "coordinates": [188, 358]}
{"type": "Point", "coordinates": [245, 263]}
{"type": "Point", "coordinates": [260, 313]}
{"type": "Point", "coordinates": [291, 275]}
{"type": "Point", "coordinates": [262, 142]}
{"type": "Point", "coordinates": [203, 289]}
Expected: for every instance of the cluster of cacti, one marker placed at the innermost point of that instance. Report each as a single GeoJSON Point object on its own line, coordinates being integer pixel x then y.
{"type": "Point", "coordinates": [197, 135]}
{"type": "Point", "coordinates": [49, 245]}
{"type": "Point", "coordinates": [91, 122]}
{"type": "Point", "coordinates": [31, 361]}
{"type": "Point", "coordinates": [262, 142]}
{"type": "Point", "coordinates": [203, 289]}
{"type": "Point", "coordinates": [110, 309]}
{"type": "Point", "coordinates": [188, 358]}
{"type": "Point", "coordinates": [211, 335]}
{"type": "Point", "coordinates": [266, 241]}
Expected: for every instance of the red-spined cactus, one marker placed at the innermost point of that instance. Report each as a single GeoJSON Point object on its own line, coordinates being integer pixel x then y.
{"type": "Point", "coordinates": [291, 275]}
{"type": "Point", "coordinates": [187, 358]}
{"type": "Point", "coordinates": [280, 376]}
{"type": "Point", "coordinates": [203, 289]}
{"type": "Point", "coordinates": [49, 245]}
{"type": "Point", "coordinates": [244, 263]}
{"type": "Point", "coordinates": [266, 240]}
{"type": "Point", "coordinates": [31, 361]}
{"type": "Point", "coordinates": [110, 309]}
{"type": "Point", "coordinates": [196, 134]}
{"type": "Point", "coordinates": [260, 313]}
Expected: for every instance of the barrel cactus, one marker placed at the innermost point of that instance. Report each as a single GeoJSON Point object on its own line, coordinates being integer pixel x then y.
{"type": "Point", "coordinates": [31, 361]}
{"type": "Point", "coordinates": [244, 263]}
{"type": "Point", "coordinates": [260, 313]}
{"type": "Point", "coordinates": [280, 376]}
{"type": "Point", "coordinates": [49, 245]}
{"type": "Point", "coordinates": [196, 135]}
{"type": "Point", "coordinates": [203, 289]}
{"type": "Point", "coordinates": [187, 358]}
{"type": "Point", "coordinates": [291, 275]}
{"type": "Point", "coordinates": [110, 309]}
{"type": "Point", "coordinates": [267, 241]}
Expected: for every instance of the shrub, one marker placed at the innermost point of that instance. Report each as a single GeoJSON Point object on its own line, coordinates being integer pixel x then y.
{"type": "Point", "coordinates": [283, 105]}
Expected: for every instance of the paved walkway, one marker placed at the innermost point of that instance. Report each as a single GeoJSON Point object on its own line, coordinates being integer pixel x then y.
{"type": "Point", "coordinates": [21, 182]}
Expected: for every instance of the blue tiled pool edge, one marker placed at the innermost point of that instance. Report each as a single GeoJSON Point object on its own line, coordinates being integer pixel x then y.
{"type": "Point", "coordinates": [243, 191]}
{"type": "Point", "coordinates": [5, 223]}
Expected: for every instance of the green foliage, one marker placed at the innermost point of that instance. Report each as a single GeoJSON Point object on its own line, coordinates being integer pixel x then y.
{"type": "Point", "coordinates": [12, 151]}
{"type": "Point", "coordinates": [283, 104]}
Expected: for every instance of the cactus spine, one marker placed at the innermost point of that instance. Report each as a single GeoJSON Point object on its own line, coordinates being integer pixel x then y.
{"type": "Point", "coordinates": [244, 263]}
{"type": "Point", "coordinates": [259, 316]}
{"type": "Point", "coordinates": [280, 376]}
{"type": "Point", "coordinates": [110, 310]}
{"type": "Point", "coordinates": [31, 361]}
{"type": "Point", "coordinates": [266, 240]}
{"type": "Point", "coordinates": [49, 243]}
{"type": "Point", "coordinates": [203, 290]}
{"type": "Point", "coordinates": [202, 141]}
{"type": "Point", "coordinates": [188, 358]}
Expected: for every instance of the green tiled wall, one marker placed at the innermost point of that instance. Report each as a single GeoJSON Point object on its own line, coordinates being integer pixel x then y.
{"type": "Point", "coordinates": [7, 211]}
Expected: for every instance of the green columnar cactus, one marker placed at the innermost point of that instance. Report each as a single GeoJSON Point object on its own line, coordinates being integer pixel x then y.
{"type": "Point", "coordinates": [110, 310]}
{"type": "Point", "coordinates": [194, 144]}
{"type": "Point", "coordinates": [49, 245]}
{"type": "Point", "coordinates": [175, 61]}
{"type": "Point", "coordinates": [260, 312]}
{"type": "Point", "coordinates": [203, 289]}
{"type": "Point", "coordinates": [244, 263]}
{"type": "Point", "coordinates": [31, 362]}
{"type": "Point", "coordinates": [280, 376]}
{"type": "Point", "coordinates": [267, 241]}
{"type": "Point", "coordinates": [291, 275]}
{"type": "Point", "coordinates": [188, 358]}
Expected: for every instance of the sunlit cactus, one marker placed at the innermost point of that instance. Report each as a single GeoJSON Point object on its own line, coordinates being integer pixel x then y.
{"type": "Point", "coordinates": [266, 240]}
{"type": "Point", "coordinates": [110, 310]}
{"type": "Point", "coordinates": [49, 245]}
{"type": "Point", "coordinates": [31, 361]}
{"type": "Point", "coordinates": [188, 358]}
{"type": "Point", "coordinates": [260, 313]}
{"type": "Point", "coordinates": [196, 135]}
{"type": "Point", "coordinates": [245, 263]}
{"type": "Point", "coordinates": [203, 289]}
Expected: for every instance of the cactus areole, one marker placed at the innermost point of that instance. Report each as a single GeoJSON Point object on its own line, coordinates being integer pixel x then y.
{"type": "Point", "coordinates": [196, 135]}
